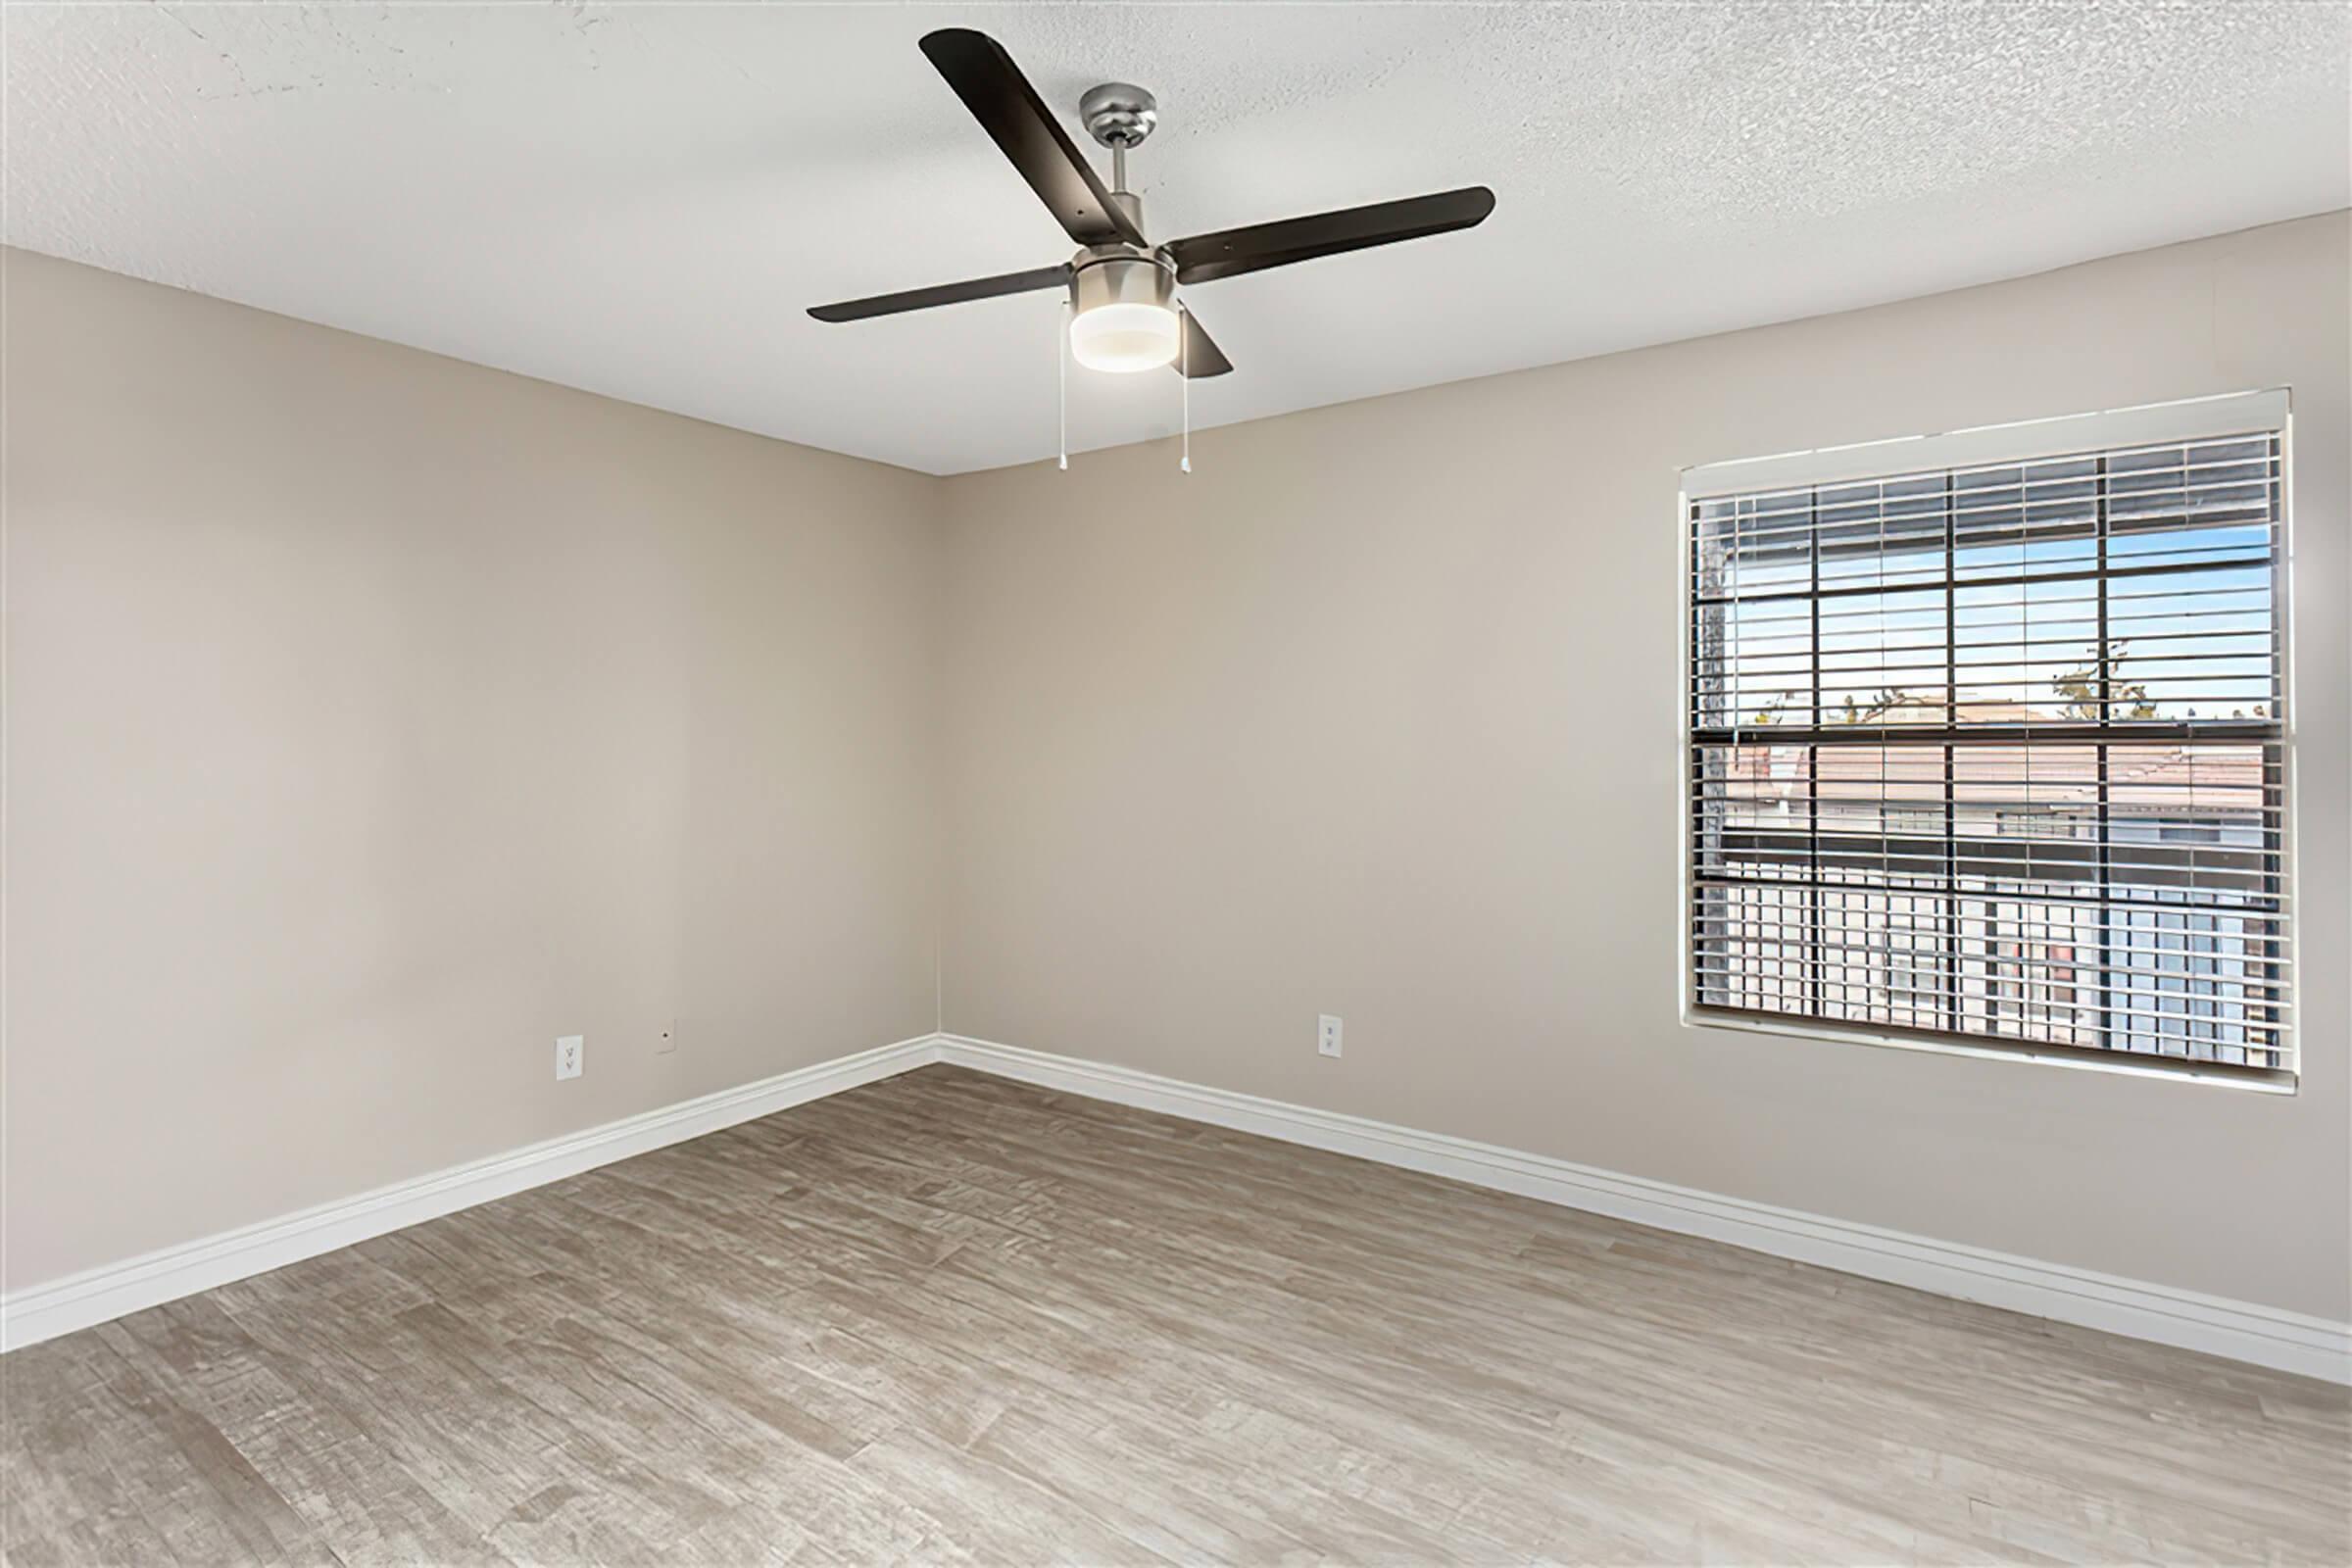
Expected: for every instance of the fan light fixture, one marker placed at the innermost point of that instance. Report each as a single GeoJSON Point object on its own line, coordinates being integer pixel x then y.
{"type": "Point", "coordinates": [1123, 311]}
{"type": "Point", "coordinates": [1129, 336]}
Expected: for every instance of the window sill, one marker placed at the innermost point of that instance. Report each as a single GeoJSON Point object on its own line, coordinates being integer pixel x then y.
{"type": "Point", "coordinates": [2260, 1080]}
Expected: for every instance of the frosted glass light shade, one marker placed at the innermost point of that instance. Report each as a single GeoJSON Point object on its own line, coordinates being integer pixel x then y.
{"type": "Point", "coordinates": [1125, 336]}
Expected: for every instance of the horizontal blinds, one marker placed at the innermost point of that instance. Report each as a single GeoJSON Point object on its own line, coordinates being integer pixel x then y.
{"type": "Point", "coordinates": [1997, 752]}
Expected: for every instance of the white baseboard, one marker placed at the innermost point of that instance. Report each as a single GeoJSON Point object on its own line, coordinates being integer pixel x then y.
{"type": "Point", "coordinates": [2240, 1330]}
{"type": "Point", "coordinates": [78, 1300]}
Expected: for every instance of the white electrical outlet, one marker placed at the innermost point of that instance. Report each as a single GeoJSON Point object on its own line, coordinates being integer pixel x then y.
{"type": "Point", "coordinates": [570, 1050]}
{"type": "Point", "coordinates": [668, 1040]}
{"type": "Point", "coordinates": [1327, 1035]}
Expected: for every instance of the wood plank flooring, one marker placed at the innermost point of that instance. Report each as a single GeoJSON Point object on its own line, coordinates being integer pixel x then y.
{"type": "Point", "coordinates": [951, 1320]}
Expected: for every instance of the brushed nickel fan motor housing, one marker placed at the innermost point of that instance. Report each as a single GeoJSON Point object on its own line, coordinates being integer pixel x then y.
{"type": "Point", "coordinates": [1118, 113]}
{"type": "Point", "coordinates": [1119, 274]}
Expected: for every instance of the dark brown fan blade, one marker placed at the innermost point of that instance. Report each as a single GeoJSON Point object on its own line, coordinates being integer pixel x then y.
{"type": "Point", "coordinates": [1205, 257]}
{"type": "Point", "coordinates": [1009, 110]}
{"type": "Point", "coordinates": [923, 299]}
{"type": "Point", "coordinates": [1201, 356]}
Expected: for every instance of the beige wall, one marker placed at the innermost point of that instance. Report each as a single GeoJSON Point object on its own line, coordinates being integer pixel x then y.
{"type": "Point", "coordinates": [1376, 713]}
{"type": "Point", "coordinates": [374, 719]}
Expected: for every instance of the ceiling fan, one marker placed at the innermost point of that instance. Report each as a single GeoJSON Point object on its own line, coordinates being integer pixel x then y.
{"type": "Point", "coordinates": [1122, 286]}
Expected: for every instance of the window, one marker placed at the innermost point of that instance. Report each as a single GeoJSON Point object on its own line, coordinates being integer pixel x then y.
{"type": "Point", "coordinates": [1988, 750]}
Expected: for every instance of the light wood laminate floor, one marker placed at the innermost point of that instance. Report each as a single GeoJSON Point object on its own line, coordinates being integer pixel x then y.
{"type": "Point", "coordinates": [948, 1318]}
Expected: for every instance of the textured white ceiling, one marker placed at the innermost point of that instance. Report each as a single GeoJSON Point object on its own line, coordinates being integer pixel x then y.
{"type": "Point", "coordinates": [642, 199]}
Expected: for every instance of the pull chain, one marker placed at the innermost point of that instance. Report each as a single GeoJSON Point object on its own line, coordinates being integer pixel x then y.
{"type": "Point", "coordinates": [1062, 381]}
{"type": "Point", "coordinates": [1184, 374]}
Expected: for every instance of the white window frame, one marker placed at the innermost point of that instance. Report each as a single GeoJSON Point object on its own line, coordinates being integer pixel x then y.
{"type": "Point", "coordinates": [2186, 420]}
